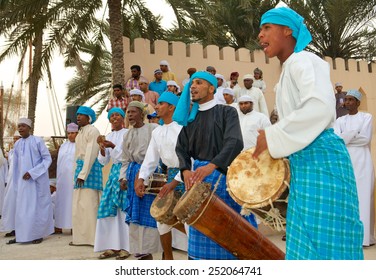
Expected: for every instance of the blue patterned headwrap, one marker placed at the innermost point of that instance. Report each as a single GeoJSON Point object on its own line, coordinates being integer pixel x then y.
{"type": "Point", "coordinates": [116, 110]}
{"type": "Point", "coordinates": [169, 98]}
{"type": "Point", "coordinates": [183, 114]}
{"type": "Point", "coordinates": [83, 110]}
{"type": "Point", "coordinates": [288, 17]}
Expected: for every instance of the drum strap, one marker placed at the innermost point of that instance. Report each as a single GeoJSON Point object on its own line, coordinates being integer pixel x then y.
{"type": "Point", "coordinates": [208, 201]}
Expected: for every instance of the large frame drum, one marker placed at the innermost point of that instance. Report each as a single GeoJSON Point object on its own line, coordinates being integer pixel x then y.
{"type": "Point", "coordinates": [205, 211]}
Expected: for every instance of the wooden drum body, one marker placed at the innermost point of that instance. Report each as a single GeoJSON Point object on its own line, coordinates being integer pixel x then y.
{"type": "Point", "coordinates": [162, 208]}
{"type": "Point", "coordinates": [205, 211]}
{"type": "Point", "coordinates": [156, 182]}
{"type": "Point", "coordinates": [260, 187]}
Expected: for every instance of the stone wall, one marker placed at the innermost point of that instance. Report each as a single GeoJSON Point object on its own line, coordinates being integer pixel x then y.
{"type": "Point", "coordinates": [353, 74]}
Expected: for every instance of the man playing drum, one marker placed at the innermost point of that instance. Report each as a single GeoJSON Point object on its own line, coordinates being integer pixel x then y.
{"type": "Point", "coordinates": [322, 215]}
{"type": "Point", "coordinates": [143, 233]}
{"type": "Point", "coordinates": [212, 137]}
{"type": "Point", "coordinates": [162, 146]}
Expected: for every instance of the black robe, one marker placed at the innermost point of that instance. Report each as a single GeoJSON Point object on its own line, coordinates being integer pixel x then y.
{"type": "Point", "coordinates": [215, 136]}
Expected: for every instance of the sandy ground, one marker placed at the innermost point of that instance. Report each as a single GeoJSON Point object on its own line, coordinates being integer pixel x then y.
{"type": "Point", "coordinates": [55, 247]}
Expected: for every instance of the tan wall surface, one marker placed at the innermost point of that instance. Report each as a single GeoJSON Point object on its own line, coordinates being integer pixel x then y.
{"type": "Point", "coordinates": [181, 56]}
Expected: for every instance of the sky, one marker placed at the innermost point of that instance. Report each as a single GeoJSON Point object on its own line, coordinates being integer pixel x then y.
{"type": "Point", "coordinates": [43, 125]}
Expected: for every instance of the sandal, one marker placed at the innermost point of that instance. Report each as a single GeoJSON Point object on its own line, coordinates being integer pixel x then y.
{"type": "Point", "coordinates": [72, 244]}
{"type": "Point", "coordinates": [10, 234]}
{"type": "Point", "coordinates": [12, 241]}
{"type": "Point", "coordinates": [123, 254]}
{"type": "Point", "coordinates": [58, 231]}
{"type": "Point", "coordinates": [108, 254]}
{"type": "Point", "coordinates": [37, 241]}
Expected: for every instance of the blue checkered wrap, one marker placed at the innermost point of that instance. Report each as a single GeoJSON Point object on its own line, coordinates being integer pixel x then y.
{"type": "Point", "coordinates": [200, 246]}
{"type": "Point", "coordinates": [112, 197]}
{"type": "Point", "coordinates": [322, 213]}
{"type": "Point", "coordinates": [138, 209]}
{"type": "Point", "coordinates": [94, 179]}
{"type": "Point", "coordinates": [171, 173]}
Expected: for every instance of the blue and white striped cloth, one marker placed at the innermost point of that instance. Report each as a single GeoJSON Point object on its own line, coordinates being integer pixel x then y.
{"type": "Point", "coordinates": [322, 214]}
{"type": "Point", "coordinates": [200, 246]}
{"type": "Point", "coordinates": [94, 179]}
{"type": "Point", "coordinates": [138, 209]}
{"type": "Point", "coordinates": [112, 197]}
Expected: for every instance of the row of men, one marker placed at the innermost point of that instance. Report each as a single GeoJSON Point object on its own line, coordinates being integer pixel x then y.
{"type": "Point", "coordinates": [323, 209]}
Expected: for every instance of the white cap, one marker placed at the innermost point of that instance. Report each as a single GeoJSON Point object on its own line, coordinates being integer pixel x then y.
{"type": "Point", "coordinates": [172, 83]}
{"type": "Point", "coordinates": [248, 77]}
{"type": "Point", "coordinates": [24, 121]}
{"type": "Point", "coordinates": [246, 98]}
{"type": "Point", "coordinates": [220, 76]}
{"type": "Point", "coordinates": [338, 84]}
{"type": "Point", "coordinates": [137, 91]}
{"type": "Point", "coordinates": [228, 91]}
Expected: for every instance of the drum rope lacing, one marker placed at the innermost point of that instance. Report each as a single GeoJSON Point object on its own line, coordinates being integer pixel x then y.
{"type": "Point", "coordinates": [273, 214]}
{"type": "Point", "coordinates": [207, 203]}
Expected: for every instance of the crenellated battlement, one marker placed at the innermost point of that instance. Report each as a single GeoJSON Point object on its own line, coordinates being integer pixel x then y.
{"type": "Point", "coordinates": [352, 73]}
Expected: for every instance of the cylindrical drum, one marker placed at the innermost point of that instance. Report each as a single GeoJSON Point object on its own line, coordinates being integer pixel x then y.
{"type": "Point", "coordinates": [205, 211]}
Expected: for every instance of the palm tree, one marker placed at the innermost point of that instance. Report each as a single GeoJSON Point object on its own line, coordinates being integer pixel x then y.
{"type": "Point", "coordinates": [93, 82]}
{"type": "Point", "coordinates": [346, 32]}
{"type": "Point", "coordinates": [46, 26]}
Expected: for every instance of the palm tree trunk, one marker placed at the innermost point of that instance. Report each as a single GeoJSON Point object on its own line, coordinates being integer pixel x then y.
{"type": "Point", "coordinates": [116, 38]}
{"type": "Point", "coordinates": [35, 77]}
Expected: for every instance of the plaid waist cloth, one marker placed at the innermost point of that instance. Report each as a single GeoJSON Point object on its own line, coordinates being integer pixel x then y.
{"type": "Point", "coordinates": [94, 179]}
{"type": "Point", "coordinates": [171, 173]}
{"type": "Point", "coordinates": [322, 212]}
{"type": "Point", "coordinates": [112, 197]}
{"type": "Point", "coordinates": [200, 246]}
{"type": "Point", "coordinates": [138, 209]}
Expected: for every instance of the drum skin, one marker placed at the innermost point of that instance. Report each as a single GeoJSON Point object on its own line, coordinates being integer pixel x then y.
{"type": "Point", "coordinates": [260, 186]}
{"type": "Point", "coordinates": [161, 208]}
{"type": "Point", "coordinates": [210, 215]}
{"type": "Point", "coordinates": [254, 182]}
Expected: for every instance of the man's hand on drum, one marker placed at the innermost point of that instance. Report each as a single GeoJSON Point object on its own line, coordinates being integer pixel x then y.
{"type": "Point", "coordinates": [139, 187]}
{"type": "Point", "coordinates": [123, 184]}
{"type": "Point", "coordinates": [198, 175]}
{"type": "Point", "coordinates": [167, 188]}
{"type": "Point", "coordinates": [261, 145]}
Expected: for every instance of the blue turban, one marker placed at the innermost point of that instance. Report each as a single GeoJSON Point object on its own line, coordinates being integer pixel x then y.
{"type": "Point", "coordinates": [183, 114]}
{"type": "Point", "coordinates": [169, 98]}
{"type": "Point", "coordinates": [83, 110]}
{"type": "Point", "coordinates": [288, 17]}
{"type": "Point", "coordinates": [116, 110]}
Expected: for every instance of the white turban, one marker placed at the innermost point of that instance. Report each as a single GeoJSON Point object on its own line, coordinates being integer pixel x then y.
{"type": "Point", "coordinates": [248, 77]}
{"type": "Point", "coordinates": [136, 91]}
{"type": "Point", "coordinates": [228, 91]}
{"type": "Point", "coordinates": [24, 121]}
{"type": "Point", "coordinates": [245, 98]}
{"type": "Point", "coordinates": [165, 62]}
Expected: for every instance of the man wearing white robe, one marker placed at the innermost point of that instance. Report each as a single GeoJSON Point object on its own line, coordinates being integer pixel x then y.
{"type": "Point", "coordinates": [355, 129]}
{"type": "Point", "coordinates": [3, 178]}
{"type": "Point", "coordinates": [143, 233]}
{"type": "Point", "coordinates": [259, 103]}
{"type": "Point", "coordinates": [162, 146]}
{"type": "Point", "coordinates": [65, 181]}
{"type": "Point", "coordinates": [221, 86]}
{"type": "Point", "coordinates": [31, 159]}
{"type": "Point", "coordinates": [112, 233]}
{"type": "Point", "coordinates": [88, 179]}
{"type": "Point", "coordinates": [9, 206]}
{"type": "Point", "coordinates": [250, 121]}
